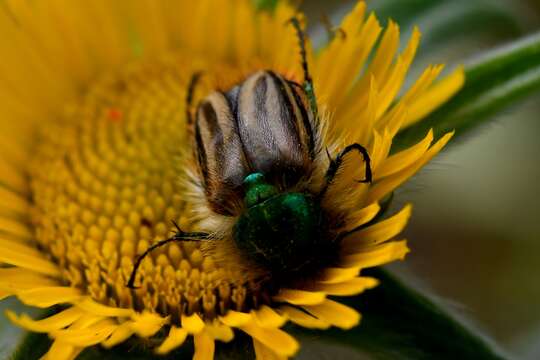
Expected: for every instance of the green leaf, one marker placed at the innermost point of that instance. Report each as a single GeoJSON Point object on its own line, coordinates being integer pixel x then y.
{"type": "Point", "coordinates": [403, 12]}
{"type": "Point", "coordinates": [474, 19]}
{"type": "Point", "coordinates": [266, 5]}
{"type": "Point", "coordinates": [433, 14]}
{"type": "Point", "coordinates": [401, 323]}
{"type": "Point", "coordinates": [499, 79]}
{"type": "Point", "coordinates": [33, 346]}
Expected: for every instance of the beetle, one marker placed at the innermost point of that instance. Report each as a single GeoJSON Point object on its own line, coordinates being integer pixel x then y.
{"type": "Point", "coordinates": [257, 146]}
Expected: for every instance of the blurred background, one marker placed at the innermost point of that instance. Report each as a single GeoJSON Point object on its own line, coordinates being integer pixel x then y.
{"type": "Point", "coordinates": [475, 230]}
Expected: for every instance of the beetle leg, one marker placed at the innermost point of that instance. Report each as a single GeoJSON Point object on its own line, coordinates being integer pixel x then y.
{"type": "Point", "coordinates": [308, 81]}
{"type": "Point", "coordinates": [189, 96]}
{"type": "Point", "coordinates": [180, 236]}
{"type": "Point", "coordinates": [338, 161]}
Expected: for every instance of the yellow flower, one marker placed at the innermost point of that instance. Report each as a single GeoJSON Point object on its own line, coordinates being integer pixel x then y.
{"type": "Point", "coordinates": [94, 141]}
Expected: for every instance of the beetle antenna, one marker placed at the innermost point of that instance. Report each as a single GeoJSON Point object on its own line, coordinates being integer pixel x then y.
{"type": "Point", "coordinates": [336, 163]}
{"type": "Point", "coordinates": [180, 236]}
{"type": "Point", "coordinates": [176, 226]}
{"type": "Point", "coordinates": [189, 95]}
{"type": "Point", "coordinates": [308, 81]}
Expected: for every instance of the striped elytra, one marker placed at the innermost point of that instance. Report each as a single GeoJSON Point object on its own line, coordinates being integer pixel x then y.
{"type": "Point", "coordinates": [261, 126]}
{"type": "Point", "coordinates": [253, 144]}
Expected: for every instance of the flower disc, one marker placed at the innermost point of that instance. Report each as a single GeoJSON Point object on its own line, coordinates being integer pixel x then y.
{"type": "Point", "coordinates": [106, 185]}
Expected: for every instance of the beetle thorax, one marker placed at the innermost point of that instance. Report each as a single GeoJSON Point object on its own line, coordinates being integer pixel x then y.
{"type": "Point", "coordinates": [278, 231]}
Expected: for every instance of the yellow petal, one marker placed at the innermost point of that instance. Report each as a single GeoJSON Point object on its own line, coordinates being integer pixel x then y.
{"type": "Point", "coordinates": [175, 339]}
{"type": "Point", "coordinates": [44, 297]}
{"type": "Point", "coordinates": [119, 335]}
{"type": "Point", "coordinates": [362, 216]}
{"type": "Point", "coordinates": [346, 288]}
{"type": "Point", "coordinates": [337, 275]}
{"type": "Point", "coordinates": [236, 318]}
{"type": "Point", "coordinates": [51, 323]}
{"type": "Point", "coordinates": [410, 52]}
{"type": "Point", "coordinates": [303, 319]}
{"type": "Point", "coordinates": [266, 317]}
{"type": "Point", "coordinates": [393, 120]}
{"type": "Point", "coordinates": [12, 178]}
{"type": "Point", "coordinates": [405, 158]}
{"type": "Point", "coordinates": [92, 335]}
{"type": "Point", "coordinates": [193, 324]}
{"type": "Point", "coordinates": [388, 184]}
{"type": "Point", "coordinates": [380, 149]}
{"type": "Point", "coordinates": [265, 353]}
{"type": "Point", "coordinates": [25, 257]}
{"type": "Point", "coordinates": [147, 324]}
{"type": "Point", "coordinates": [86, 321]}
{"type": "Point", "coordinates": [15, 148]}
{"type": "Point", "coordinates": [386, 51]}
{"type": "Point", "coordinates": [422, 83]}
{"type": "Point", "coordinates": [335, 314]}
{"type": "Point", "coordinates": [150, 25]}
{"type": "Point", "coordinates": [396, 76]}
{"type": "Point", "coordinates": [378, 233]}
{"type": "Point", "coordinates": [322, 75]}
{"type": "Point", "coordinates": [437, 95]}
{"type": "Point", "coordinates": [204, 346]}
{"type": "Point", "coordinates": [62, 351]}
{"type": "Point", "coordinates": [379, 255]}
{"type": "Point", "coordinates": [18, 245]}
{"type": "Point", "coordinates": [16, 228]}
{"type": "Point", "coordinates": [278, 340]}
{"type": "Point", "coordinates": [350, 60]}
{"type": "Point", "coordinates": [114, 45]}
{"type": "Point", "coordinates": [95, 308]}
{"type": "Point", "coordinates": [244, 20]}
{"type": "Point", "coordinates": [13, 202]}
{"type": "Point", "coordinates": [15, 279]}
{"type": "Point", "coordinates": [299, 297]}
{"type": "Point", "coordinates": [391, 88]}
{"type": "Point", "coordinates": [219, 331]}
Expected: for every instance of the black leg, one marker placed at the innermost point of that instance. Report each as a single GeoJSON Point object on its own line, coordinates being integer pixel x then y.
{"type": "Point", "coordinates": [189, 96]}
{"type": "Point", "coordinates": [180, 236]}
{"type": "Point", "coordinates": [336, 163]}
{"type": "Point", "coordinates": [308, 81]}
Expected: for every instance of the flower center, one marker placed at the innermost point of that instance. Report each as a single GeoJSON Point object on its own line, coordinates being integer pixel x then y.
{"type": "Point", "coordinates": [105, 182]}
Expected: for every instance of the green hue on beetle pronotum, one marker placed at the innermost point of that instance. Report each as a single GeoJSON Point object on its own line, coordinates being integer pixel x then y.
{"type": "Point", "coordinates": [277, 230]}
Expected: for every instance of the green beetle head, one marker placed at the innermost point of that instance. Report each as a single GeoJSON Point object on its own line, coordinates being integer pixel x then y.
{"type": "Point", "coordinates": [278, 231]}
